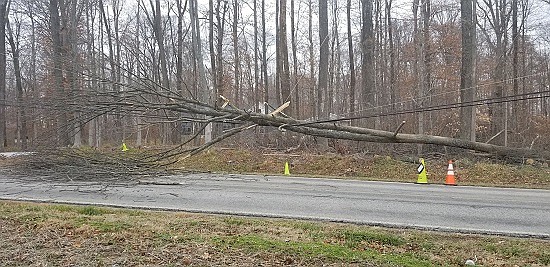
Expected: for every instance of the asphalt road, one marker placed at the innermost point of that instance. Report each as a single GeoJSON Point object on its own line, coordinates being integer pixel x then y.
{"type": "Point", "coordinates": [517, 212]}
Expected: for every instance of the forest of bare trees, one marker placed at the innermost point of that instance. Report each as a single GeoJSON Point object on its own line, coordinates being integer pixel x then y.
{"type": "Point", "coordinates": [156, 72]}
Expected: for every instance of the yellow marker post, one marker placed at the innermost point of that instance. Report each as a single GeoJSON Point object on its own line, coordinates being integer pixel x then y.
{"type": "Point", "coordinates": [124, 148]}
{"type": "Point", "coordinates": [287, 169]}
{"type": "Point", "coordinates": [422, 176]}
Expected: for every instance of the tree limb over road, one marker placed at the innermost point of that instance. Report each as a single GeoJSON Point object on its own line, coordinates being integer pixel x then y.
{"type": "Point", "coordinates": [320, 129]}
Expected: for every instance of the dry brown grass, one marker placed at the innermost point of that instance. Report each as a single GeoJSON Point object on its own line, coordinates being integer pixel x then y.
{"type": "Point", "coordinates": [61, 235]}
{"type": "Point", "coordinates": [368, 167]}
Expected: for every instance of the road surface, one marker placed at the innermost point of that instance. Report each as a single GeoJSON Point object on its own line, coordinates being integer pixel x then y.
{"type": "Point", "coordinates": [517, 212]}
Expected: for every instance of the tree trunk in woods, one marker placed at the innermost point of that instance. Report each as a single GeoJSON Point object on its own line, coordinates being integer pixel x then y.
{"type": "Point", "coordinates": [351, 63]}
{"type": "Point", "coordinates": [22, 118]}
{"type": "Point", "coordinates": [69, 21]}
{"type": "Point", "coordinates": [165, 80]}
{"type": "Point", "coordinates": [256, 67]}
{"type": "Point", "coordinates": [203, 92]}
{"type": "Point", "coordinates": [295, 85]}
{"type": "Point", "coordinates": [515, 66]}
{"type": "Point", "coordinates": [3, 16]}
{"type": "Point", "coordinates": [316, 101]}
{"type": "Point", "coordinates": [33, 74]}
{"type": "Point", "coordinates": [112, 73]}
{"type": "Point", "coordinates": [393, 94]}
{"type": "Point", "coordinates": [283, 68]}
{"type": "Point", "coordinates": [367, 63]}
{"type": "Point", "coordinates": [323, 59]}
{"type": "Point", "coordinates": [265, 79]}
{"type": "Point", "coordinates": [421, 66]}
{"type": "Point", "coordinates": [63, 138]}
{"type": "Point", "coordinates": [467, 72]}
{"type": "Point", "coordinates": [138, 121]}
{"type": "Point", "coordinates": [237, 62]}
{"type": "Point", "coordinates": [90, 41]}
{"type": "Point", "coordinates": [179, 46]}
{"type": "Point", "coordinates": [333, 94]}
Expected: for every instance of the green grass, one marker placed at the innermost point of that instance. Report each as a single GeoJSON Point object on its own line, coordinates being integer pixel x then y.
{"type": "Point", "coordinates": [330, 252]}
{"type": "Point", "coordinates": [50, 234]}
{"type": "Point", "coordinates": [92, 211]}
{"type": "Point", "coordinates": [354, 237]}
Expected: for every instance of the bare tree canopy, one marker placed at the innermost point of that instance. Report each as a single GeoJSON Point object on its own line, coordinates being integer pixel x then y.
{"type": "Point", "coordinates": [101, 73]}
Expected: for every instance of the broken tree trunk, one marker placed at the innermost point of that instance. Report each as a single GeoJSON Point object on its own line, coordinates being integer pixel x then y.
{"type": "Point", "coordinates": [333, 130]}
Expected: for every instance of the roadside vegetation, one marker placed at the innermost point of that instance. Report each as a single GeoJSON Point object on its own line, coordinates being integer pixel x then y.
{"type": "Point", "coordinates": [478, 171]}
{"type": "Point", "coordinates": [62, 235]}
{"type": "Point", "coordinates": [113, 164]}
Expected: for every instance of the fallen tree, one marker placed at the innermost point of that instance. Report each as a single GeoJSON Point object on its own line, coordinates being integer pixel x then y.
{"type": "Point", "coordinates": [147, 100]}
{"type": "Point", "coordinates": [228, 113]}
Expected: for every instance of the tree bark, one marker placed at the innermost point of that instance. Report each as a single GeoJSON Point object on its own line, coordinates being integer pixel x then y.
{"type": "Point", "coordinates": [22, 118]}
{"type": "Point", "coordinates": [265, 79]}
{"type": "Point", "coordinates": [3, 17]}
{"type": "Point", "coordinates": [467, 71]}
{"type": "Point", "coordinates": [367, 64]}
{"type": "Point", "coordinates": [393, 90]}
{"type": "Point", "coordinates": [323, 59]}
{"type": "Point", "coordinates": [295, 85]}
{"type": "Point", "coordinates": [237, 62]}
{"type": "Point", "coordinates": [351, 62]}
{"type": "Point", "coordinates": [203, 92]}
{"type": "Point", "coordinates": [283, 70]}
{"type": "Point", "coordinates": [63, 138]}
{"type": "Point", "coordinates": [316, 101]}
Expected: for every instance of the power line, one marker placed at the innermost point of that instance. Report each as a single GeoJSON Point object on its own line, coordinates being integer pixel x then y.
{"type": "Point", "coordinates": [449, 92]}
{"type": "Point", "coordinates": [486, 101]}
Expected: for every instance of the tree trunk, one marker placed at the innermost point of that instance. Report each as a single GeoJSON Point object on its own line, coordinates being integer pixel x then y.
{"type": "Point", "coordinates": [69, 26]}
{"type": "Point", "coordinates": [63, 138]}
{"type": "Point", "coordinates": [3, 18]}
{"type": "Point", "coordinates": [137, 37]}
{"type": "Point", "coordinates": [204, 94]}
{"type": "Point", "coordinates": [367, 64]}
{"type": "Point", "coordinates": [112, 76]}
{"type": "Point", "coordinates": [22, 118]}
{"type": "Point", "coordinates": [393, 90]}
{"type": "Point", "coordinates": [264, 62]}
{"type": "Point", "coordinates": [316, 101]}
{"type": "Point", "coordinates": [256, 67]}
{"type": "Point", "coordinates": [237, 94]}
{"type": "Point", "coordinates": [33, 74]}
{"type": "Point", "coordinates": [323, 59]}
{"type": "Point", "coordinates": [351, 63]}
{"type": "Point", "coordinates": [295, 86]}
{"type": "Point", "coordinates": [467, 72]}
{"type": "Point", "coordinates": [165, 81]}
{"type": "Point", "coordinates": [515, 66]}
{"type": "Point", "coordinates": [179, 48]}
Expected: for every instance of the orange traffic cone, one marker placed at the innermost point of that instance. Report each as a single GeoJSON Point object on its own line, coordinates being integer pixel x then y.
{"type": "Point", "coordinates": [450, 179]}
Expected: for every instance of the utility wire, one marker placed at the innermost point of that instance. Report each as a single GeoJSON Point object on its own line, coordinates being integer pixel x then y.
{"type": "Point", "coordinates": [486, 101]}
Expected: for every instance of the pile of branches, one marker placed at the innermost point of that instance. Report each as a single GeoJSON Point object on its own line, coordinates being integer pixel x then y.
{"type": "Point", "coordinates": [70, 164]}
